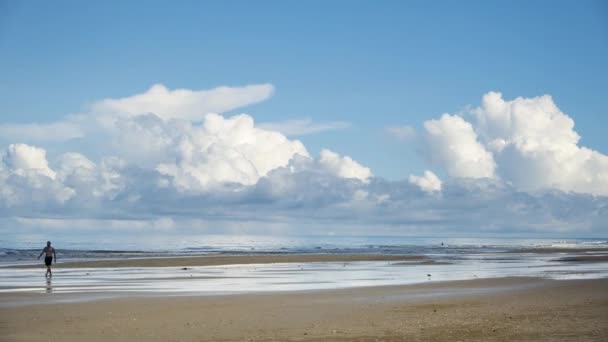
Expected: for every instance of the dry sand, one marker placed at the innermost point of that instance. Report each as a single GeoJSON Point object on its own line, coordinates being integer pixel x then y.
{"type": "Point", "coordinates": [508, 309]}
{"type": "Point", "coordinates": [214, 260]}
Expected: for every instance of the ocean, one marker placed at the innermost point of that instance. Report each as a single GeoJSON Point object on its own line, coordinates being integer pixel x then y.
{"type": "Point", "coordinates": [24, 250]}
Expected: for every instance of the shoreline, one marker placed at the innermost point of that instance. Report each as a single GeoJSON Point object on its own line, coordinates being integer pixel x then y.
{"type": "Point", "coordinates": [240, 259]}
{"type": "Point", "coordinates": [251, 273]}
{"type": "Point", "coordinates": [498, 309]}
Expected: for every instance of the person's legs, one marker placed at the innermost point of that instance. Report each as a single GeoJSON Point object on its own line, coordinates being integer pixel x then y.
{"type": "Point", "coordinates": [48, 261]}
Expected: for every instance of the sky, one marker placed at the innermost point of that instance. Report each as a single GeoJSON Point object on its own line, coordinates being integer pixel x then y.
{"type": "Point", "coordinates": [349, 117]}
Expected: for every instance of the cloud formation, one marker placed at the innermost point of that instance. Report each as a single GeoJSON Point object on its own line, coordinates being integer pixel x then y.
{"type": "Point", "coordinates": [29, 182]}
{"type": "Point", "coordinates": [527, 142]}
{"type": "Point", "coordinates": [344, 167]}
{"type": "Point", "coordinates": [452, 144]}
{"type": "Point", "coordinates": [184, 103]}
{"type": "Point", "coordinates": [536, 146]}
{"type": "Point", "coordinates": [227, 150]}
{"type": "Point", "coordinates": [26, 180]}
{"type": "Point", "coordinates": [303, 126]}
{"type": "Point", "coordinates": [167, 104]}
{"type": "Point", "coordinates": [168, 163]}
{"type": "Point", "coordinates": [152, 156]}
{"type": "Point", "coordinates": [23, 159]}
{"type": "Point", "coordinates": [428, 182]}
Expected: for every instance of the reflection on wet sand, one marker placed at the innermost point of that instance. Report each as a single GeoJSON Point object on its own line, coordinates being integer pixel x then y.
{"type": "Point", "coordinates": [296, 276]}
{"type": "Point", "coordinates": [49, 285]}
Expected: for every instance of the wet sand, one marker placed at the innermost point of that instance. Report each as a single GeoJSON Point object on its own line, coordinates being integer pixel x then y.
{"type": "Point", "coordinates": [555, 250]}
{"type": "Point", "coordinates": [585, 258]}
{"type": "Point", "coordinates": [245, 259]}
{"type": "Point", "coordinates": [505, 309]}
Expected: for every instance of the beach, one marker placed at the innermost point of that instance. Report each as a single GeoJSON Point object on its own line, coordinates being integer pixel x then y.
{"type": "Point", "coordinates": [232, 171]}
{"type": "Point", "coordinates": [460, 293]}
{"type": "Point", "coordinates": [504, 309]}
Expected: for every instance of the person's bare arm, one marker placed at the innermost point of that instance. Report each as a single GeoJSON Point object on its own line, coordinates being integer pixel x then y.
{"type": "Point", "coordinates": [55, 254]}
{"type": "Point", "coordinates": [43, 250]}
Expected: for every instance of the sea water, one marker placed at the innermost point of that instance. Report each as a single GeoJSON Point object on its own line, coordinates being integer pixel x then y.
{"type": "Point", "coordinates": [19, 250]}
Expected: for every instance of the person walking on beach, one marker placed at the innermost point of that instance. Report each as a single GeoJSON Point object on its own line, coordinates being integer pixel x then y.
{"type": "Point", "coordinates": [49, 253]}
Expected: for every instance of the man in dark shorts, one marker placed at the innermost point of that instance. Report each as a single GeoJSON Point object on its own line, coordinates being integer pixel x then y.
{"type": "Point", "coordinates": [49, 253]}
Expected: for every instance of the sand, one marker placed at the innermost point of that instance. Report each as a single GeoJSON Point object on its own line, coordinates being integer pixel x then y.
{"type": "Point", "coordinates": [584, 258]}
{"type": "Point", "coordinates": [215, 260]}
{"type": "Point", "coordinates": [555, 250]}
{"type": "Point", "coordinates": [507, 309]}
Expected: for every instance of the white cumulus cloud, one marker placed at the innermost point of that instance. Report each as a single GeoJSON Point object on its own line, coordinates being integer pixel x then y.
{"type": "Point", "coordinates": [344, 167]}
{"type": "Point", "coordinates": [88, 179]}
{"type": "Point", "coordinates": [164, 163]}
{"type": "Point", "coordinates": [23, 159]}
{"type": "Point", "coordinates": [535, 145]}
{"type": "Point", "coordinates": [428, 182]}
{"type": "Point", "coordinates": [227, 150]}
{"type": "Point", "coordinates": [528, 142]}
{"type": "Point", "coordinates": [452, 144]}
{"type": "Point", "coordinates": [27, 179]}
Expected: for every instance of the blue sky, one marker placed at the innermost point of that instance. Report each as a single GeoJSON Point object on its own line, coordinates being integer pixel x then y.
{"type": "Point", "coordinates": [363, 65]}
{"type": "Point", "coordinates": [367, 63]}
